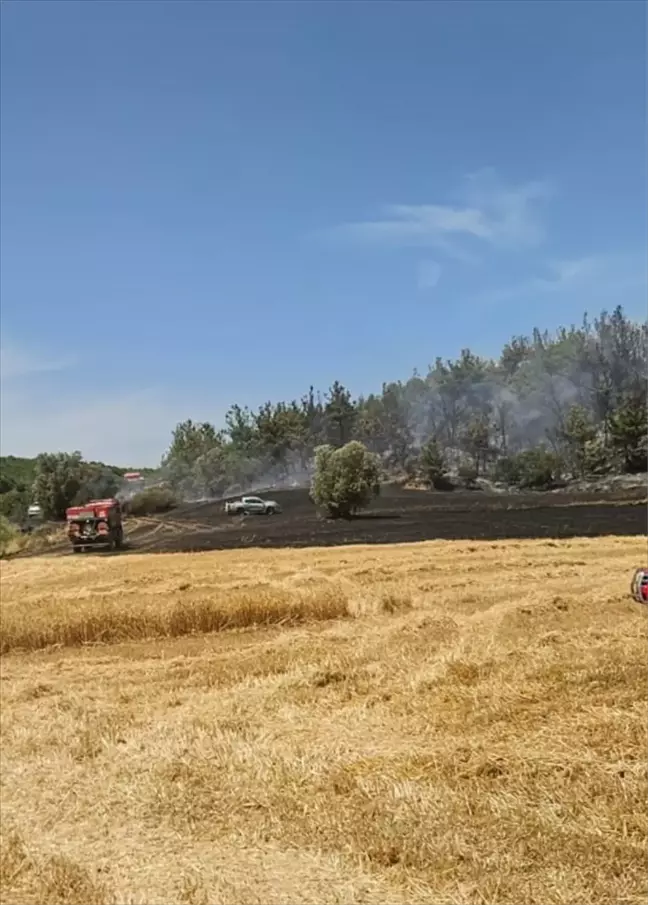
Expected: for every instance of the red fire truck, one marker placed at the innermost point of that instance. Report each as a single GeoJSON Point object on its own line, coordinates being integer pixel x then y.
{"type": "Point", "coordinates": [95, 524]}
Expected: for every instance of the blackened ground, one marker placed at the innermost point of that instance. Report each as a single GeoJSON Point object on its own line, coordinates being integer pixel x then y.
{"type": "Point", "coordinates": [398, 516]}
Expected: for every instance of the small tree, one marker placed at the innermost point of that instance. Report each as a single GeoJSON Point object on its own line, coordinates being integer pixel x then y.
{"type": "Point", "coordinates": [476, 442]}
{"type": "Point", "coordinates": [629, 433]}
{"type": "Point", "coordinates": [345, 479]}
{"type": "Point", "coordinates": [577, 432]}
{"type": "Point", "coordinates": [597, 459]}
{"type": "Point", "coordinates": [432, 465]}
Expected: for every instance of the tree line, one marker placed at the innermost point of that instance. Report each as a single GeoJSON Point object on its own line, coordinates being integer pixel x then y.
{"type": "Point", "coordinates": [55, 481]}
{"type": "Point", "coordinates": [571, 404]}
{"type": "Point", "coordinates": [550, 407]}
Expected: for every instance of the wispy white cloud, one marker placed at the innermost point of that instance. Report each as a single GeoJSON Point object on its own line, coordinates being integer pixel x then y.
{"type": "Point", "coordinates": [429, 274]}
{"type": "Point", "coordinates": [488, 213]}
{"type": "Point", "coordinates": [603, 273]}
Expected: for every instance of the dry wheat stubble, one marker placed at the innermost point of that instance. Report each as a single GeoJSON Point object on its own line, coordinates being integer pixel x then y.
{"type": "Point", "coordinates": [451, 733]}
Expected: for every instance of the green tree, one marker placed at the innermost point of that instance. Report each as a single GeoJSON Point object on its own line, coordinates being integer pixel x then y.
{"type": "Point", "coordinates": [241, 429]}
{"type": "Point", "coordinates": [16, 473]}
{"type": "Point", "coordinates": [59, 479]}
{"type": "Point", "coordinates": [532, 469]}
{"type": "Point", "coordinates": [13, 505]}
{"type": "Point", "coordinates": [369, 428]}
{"type": "Point", "coordinates": [99, 483]}
{"type": "Point", "coordinates": [432, 465]}
{"type": "Point", "coordinates": [514, 354]}
{"type": "Point", "coordinates": [476, 442]}
{"type": "Point", "coordinates": [312, 410]}
{"type": "Point", "coordinates": [576, 434]}
{"type": "Point", "coordinates": [597, 457]}
{"type": "Point", "coordinates": [281, 430]}
{"type": "Point", "coordinates": [395, 425]}
{"type": "Point", "coordinates": [345, 479]}
{"type": "Point", "coordinates": [189, 441]}
{"type": "Point", "coordinates": [629, 433]}
{"type": "Point", "coordinates": [212, 472]}
{"type": "Point", "coordinates": [339, 415]}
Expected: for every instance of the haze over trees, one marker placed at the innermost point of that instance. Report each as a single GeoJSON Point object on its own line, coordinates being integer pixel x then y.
{"type": "Point", "coordinates": [566, 405]}
{"type": "Point", "coordinates": [552, 406]}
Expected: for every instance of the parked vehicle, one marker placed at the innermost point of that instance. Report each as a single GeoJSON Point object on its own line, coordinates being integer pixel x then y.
{"type": "Point", "coordinates": [252, 505]}
{"type": "Point", "coordinates": [34, 519]}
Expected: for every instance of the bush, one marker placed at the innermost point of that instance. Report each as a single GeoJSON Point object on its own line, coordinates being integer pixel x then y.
{"type": "Point", "coordinates": [597, 459]}
{"type": "Point", "coordinates": [8, 536]}
{"type": "Point", "coordinates": [468, 474]}
{"type": "Point", "coordinates": [533, 469]}
{"type": "Point", "coordinates": [148, 502]}
{"type": "Point", "coordinates": [345, 479]}
{"type": "Point", "coordinates": [13, 505]}
{"type": "Point", "coordinates": [432, 467]}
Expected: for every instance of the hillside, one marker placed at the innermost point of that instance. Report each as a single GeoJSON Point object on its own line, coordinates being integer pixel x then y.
{"type": "Point", "coordinates": [17, 475]}
{"type": "Point", "coordinates": [17, 472]}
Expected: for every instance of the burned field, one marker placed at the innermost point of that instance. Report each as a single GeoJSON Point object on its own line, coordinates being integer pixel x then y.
{"type": "Point", "coordinates": [398, 516]}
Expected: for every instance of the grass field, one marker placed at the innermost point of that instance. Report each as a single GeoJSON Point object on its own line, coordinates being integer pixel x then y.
{"type": "Point", "coordinates": [446, 722]}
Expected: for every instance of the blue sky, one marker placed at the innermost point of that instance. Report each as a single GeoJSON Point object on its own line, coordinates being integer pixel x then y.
{"type": "Point", "coordinates": [209, 202]}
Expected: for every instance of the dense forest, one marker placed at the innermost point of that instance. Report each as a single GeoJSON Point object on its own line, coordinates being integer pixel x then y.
{"type": "Point", "coordinates": [550, 408]}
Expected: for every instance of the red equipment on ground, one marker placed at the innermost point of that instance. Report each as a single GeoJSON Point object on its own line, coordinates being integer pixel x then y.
{"type": "Point", "coordinates": [639, 586]}
{"type": "Point", "coordinates": [95, 524]}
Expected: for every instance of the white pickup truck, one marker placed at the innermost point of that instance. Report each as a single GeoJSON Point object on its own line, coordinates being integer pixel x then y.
{"type": "Point", "coordinates": [252, 505]}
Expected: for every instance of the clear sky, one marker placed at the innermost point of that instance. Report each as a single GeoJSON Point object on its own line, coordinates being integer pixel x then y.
{"type": "Point", "coordinates": [210, 202]}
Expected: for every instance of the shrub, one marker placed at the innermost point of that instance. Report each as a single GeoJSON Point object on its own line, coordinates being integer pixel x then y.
{"type": "Point", "coordinates": [468, 474]}
{"type": "Point", "coordinates": [13, 505]}
{"type": "Point", "coordinates": [8, 536]}
{"type": "Point", "coordinates": [148, 502]}
{"type": "Point", "coordinates": [533, 469]}
{"type": "Point", "coordinates": [576, 432]}
{"type": "Point", "coordinates": [432, 466]}
{"type": "Point", "coordinates": [597, 459]}
{"type": "Point", "coordinates": [345, 479]}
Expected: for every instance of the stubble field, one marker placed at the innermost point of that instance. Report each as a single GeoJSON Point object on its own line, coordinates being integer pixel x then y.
{"type": "Point", "coordinates": [443, 722]}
